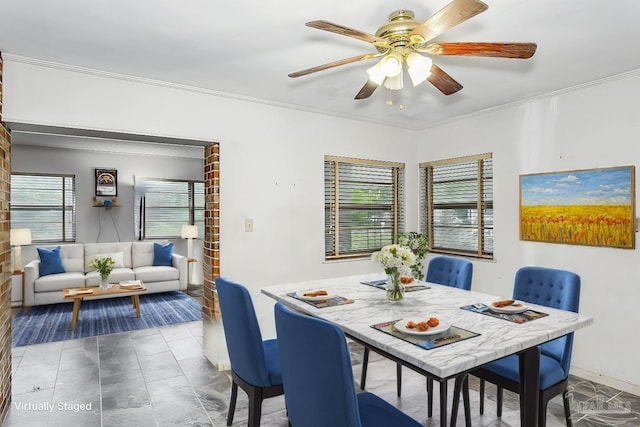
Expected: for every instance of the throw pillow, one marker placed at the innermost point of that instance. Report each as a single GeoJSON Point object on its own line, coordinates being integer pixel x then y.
{"type": "Point", "coordinates": [118, 257]}
{"type": "Point", "coordinates": [50, 261]}
{"type": "Point", "coordinates": [162, 254]}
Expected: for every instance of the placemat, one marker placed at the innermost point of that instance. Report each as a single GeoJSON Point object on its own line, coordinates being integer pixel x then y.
{"type": "Point", "coordinates": [523, 317]}
{"type": "Point", "coordinates": [450, 336]}
{"type": "Point", "coordinates": [380, 284]}
{"type": "Point", "coordinates": [323, 303]}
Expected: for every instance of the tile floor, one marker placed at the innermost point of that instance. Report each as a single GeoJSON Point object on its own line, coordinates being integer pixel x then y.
{"type": "Point", "coordinates": [159, 377]}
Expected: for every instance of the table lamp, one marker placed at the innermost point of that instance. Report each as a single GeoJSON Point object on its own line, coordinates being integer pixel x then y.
{"type": "Point", "coordinates": [19, 237]}
{"type": "Point", "coordinates": [189, 232]}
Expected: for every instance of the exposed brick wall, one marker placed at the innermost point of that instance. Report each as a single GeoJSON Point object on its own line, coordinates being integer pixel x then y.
{"type": "Point", "coordinates": [211, 258]}
{"type": "Point", "coordinates": [5, 264]}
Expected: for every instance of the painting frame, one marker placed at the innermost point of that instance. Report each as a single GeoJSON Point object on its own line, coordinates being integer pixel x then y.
{"type": "Point", "coordinates": [587, 207]}
{"type": "Point", "coordinates": [106, 182]}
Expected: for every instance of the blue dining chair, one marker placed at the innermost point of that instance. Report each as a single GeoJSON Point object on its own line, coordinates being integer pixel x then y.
{"type": "Point", "coordinates": [318, 378]}
{"type": "Point", "coordinates": [255, 364]}
{"type": "Point", "coordinates": [552, 288]}
{"type": "Point", "coordinates": [443, 270]}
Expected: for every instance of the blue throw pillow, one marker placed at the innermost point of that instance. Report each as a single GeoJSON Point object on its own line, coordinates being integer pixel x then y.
{"type": "Point", "coordinates": [162, 254]}
{"type": "Point", "coordinates": [50, 261]}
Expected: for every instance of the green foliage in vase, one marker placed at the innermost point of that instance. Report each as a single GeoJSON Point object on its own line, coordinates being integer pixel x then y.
{"type": "Point", "coordinates": [103, 265]}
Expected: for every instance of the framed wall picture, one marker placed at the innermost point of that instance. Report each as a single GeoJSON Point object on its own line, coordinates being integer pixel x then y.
{"type": "Point", "coordinates": [106, 182]}
{"type": "Point", "coordinates": [594, 207]}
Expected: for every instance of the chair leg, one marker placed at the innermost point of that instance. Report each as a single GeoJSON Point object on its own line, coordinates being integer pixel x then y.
{"type": "Point", "coordinates": [429, 397]}
{"type": "Point", "coordinates": [232, 403]}
{"type": "Point", "coordinates": [255, 407]}
{"type": "Point", "coordinates": [499, 396]}
{"type": "Point", "coordinates": [481, 396]}
{"type": "Point", "coordinates": [399, 379]}
{"type": "Point", "coordinates": [567, 408]}
{"type": "Point", "coordinates": [365, 363]}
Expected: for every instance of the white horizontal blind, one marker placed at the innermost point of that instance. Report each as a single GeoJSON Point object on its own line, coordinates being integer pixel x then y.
{"type": "Point", "coordinates": [364, 206]}
{"type": "Point", "coordinates": [46, 204]}
{"type": "Point", "coordinates": [457, 205]}
{"type": "Point", "coordinates": [164, 206]}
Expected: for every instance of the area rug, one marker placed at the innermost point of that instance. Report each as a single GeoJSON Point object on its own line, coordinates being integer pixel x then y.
{"type": "Point", "coordinates": [48, 323]}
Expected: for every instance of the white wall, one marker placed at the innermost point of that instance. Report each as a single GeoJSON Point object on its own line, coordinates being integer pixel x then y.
{"type": "Point", "coordinates": [587, 128]}
{"type": "Point", "coordinates": [271, 171]}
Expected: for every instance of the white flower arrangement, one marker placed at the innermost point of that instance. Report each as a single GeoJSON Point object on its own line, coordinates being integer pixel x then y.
{"type": "Point", "coordinates": [396, 259]}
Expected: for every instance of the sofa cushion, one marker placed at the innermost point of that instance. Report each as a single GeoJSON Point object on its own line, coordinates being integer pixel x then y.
{"type": "Point", "coordinates": [58, 282]}
{"type": "Point", "coordinates": [91, 250]}
{"type": "Point", "coordinates": [50, 261]}
{"type": "Point", "coordinates": [156, 274]}
{"type": "Point", "coordinates": [162, 254]}
{"type": "Point", "coordinates": [142, 254]}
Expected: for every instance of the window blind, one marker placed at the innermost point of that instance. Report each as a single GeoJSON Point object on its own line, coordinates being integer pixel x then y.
{"type": "Point", "coordinates": [164, 206]}
{"type": "Point", "coordinates": [364, 206]}
{"type": "Point", "coordinates": [46, 204]}
{"type": "Point", "coordinates": [457, 205]}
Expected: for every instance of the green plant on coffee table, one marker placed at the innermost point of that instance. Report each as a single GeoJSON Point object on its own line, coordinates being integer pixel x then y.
{"type": "Point", "coordinates": [419, 244]}
{"type": "Point", "coordinates": [103, 265]}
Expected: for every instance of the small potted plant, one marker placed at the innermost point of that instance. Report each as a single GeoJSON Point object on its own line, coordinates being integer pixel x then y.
{"type": "Point", "coordinates": [104, 267]}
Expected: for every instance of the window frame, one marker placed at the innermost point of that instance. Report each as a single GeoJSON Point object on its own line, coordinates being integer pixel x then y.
{"type": "Point", "coordinates": [483, 202]}
{"type": "Point", "coordinates": [333, 206]}
{"type": "Point", "coordinates": [140, 214]}
{"type": "Point", "coordinates": [65, 207]}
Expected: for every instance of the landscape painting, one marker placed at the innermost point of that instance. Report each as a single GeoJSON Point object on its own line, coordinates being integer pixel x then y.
{"type": "Point", "coordinates": [594, 207]}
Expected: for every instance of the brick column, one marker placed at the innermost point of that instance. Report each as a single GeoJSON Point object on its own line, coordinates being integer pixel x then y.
{"type": "Point", "coordinates": [5, 264]}
{"type": "Point", "coordinates": [211, 257]}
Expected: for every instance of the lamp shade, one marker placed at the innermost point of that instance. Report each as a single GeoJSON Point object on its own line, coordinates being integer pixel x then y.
{"type": "Point", "coordinates": [20, 236]}
{"type": "Point", "coordinates": [189, 232]}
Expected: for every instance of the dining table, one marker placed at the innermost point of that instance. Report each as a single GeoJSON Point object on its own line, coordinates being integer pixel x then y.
{"type": "Point", "coordinates": [470, 334]}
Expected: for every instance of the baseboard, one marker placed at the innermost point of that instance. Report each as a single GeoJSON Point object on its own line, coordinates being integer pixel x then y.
{"type": "Point", "coordinates": [608, 381]}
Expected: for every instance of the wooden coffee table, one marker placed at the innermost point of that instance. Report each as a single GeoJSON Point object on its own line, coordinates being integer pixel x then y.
{"type": "Point", "coordinates": [78, 294]}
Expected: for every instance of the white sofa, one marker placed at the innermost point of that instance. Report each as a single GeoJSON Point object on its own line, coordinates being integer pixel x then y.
{"type": "Point", "coordinates": [137, 259]}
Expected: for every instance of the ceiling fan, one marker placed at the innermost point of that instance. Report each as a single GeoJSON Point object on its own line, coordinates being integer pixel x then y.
{"type": "Point", "coordinates": [404, 42]}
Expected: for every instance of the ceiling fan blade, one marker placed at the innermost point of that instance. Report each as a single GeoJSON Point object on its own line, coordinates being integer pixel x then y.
{"type": "Point", "coordinates": [455, 13]}
{"type": "Point", "coordinates": [367, 90]}
{"type": "Point", "coordinates": [334, 64]}
{"type": "Point", "coordinates": [443, 81]}
{"type": "Point", "coordinates": [495, 50]}
{"type": "Point", "coordinates": [345, 31]}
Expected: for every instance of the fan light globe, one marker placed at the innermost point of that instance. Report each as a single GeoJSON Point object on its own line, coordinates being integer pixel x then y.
{"type": "Point", "coordinates": [391, 65]}
{"type": "Point", "coordinates": [395, 82]}
{"type": "Point", "coordinates": [418, 67]}
{"type": "Point", "coordinates": [376, 75]}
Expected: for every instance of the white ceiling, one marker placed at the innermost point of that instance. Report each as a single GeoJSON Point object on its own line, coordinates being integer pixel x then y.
{"type": "Point", "coordinates": [245, 49]}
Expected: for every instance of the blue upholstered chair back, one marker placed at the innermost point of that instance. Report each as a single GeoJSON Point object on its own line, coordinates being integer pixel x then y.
{"type": "Point", "coordinates": [316, 371]}
{"type": "Point", "coordinates": [552, 288]}
{"type": "Point", "coordinates": [242, 333]}
{"type": "Point", "coordinates": [449, 271]}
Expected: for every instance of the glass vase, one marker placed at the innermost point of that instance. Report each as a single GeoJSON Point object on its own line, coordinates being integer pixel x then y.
{"type": "Point", "coordinates": [104, 283]}
{"type": "Point", "coordinates": [394, 289]}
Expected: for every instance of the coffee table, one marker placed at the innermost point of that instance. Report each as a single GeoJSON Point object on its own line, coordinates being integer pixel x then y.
{"type": "Point", "coordinates": [79, 294]}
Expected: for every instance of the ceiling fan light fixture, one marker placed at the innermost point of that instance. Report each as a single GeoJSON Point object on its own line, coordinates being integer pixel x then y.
{"type": "Point", "coordinates": [376, 75]}
{"type": "Point", "coordinates": [395, 82]}
{"type": "Point", "coordinates": [391, 64]}
{"type": "Point", "coordinates": [418, 67]}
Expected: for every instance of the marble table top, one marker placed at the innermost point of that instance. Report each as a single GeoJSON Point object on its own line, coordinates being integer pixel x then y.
{"type": "Point", "coordinates": [498, 337]}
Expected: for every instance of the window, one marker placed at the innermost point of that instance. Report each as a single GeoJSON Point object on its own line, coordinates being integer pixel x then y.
{"type": "Point", "coordinates": [46, 204]}
{"type": "Point", "coordinates": [364, 205]}
{"type": "Point", "coordinates": [164, 206]}
{"type": "Point", "coordinates": [456, 205]}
